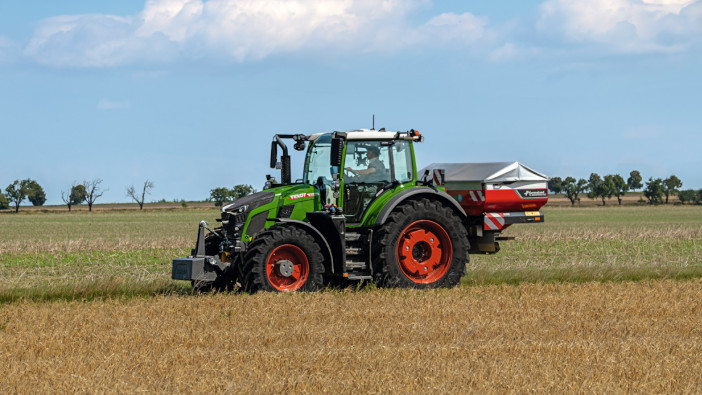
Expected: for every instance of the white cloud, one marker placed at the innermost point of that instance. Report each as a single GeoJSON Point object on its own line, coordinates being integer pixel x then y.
{"type": "Point", "coordinates": [251, 30]}
{"type": "Point", "coordinates": [94, 41]}
{"type": "Point", "coordinates": [510, 51]}
{"type": "Point", "coordinates": [245, 30]}
{"type": "Point", "coordinates": [625, 25]}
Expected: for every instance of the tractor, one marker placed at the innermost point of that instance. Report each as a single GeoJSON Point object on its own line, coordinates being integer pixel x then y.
{"type": "Point", "coordinates": [361, 212]}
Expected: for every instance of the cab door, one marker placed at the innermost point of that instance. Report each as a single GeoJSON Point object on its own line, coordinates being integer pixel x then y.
{"type": "Point", "coordinates": [361, 186]}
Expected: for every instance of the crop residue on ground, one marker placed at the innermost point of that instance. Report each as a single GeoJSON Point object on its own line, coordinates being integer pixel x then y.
{"type": "Point", "coordinates": [595, 337]}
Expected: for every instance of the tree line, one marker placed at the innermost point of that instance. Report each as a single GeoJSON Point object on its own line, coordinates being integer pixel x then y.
{"type": "Point", "coordinates": [86, 192]}
{"type": "Point", "coordinates": [655, 190]}
{"type": "Point", "coordinates": [223, 195]}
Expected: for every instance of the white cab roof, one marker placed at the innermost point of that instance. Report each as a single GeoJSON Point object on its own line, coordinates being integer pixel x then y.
{"type": "Point", "coordinates": [368, 134]}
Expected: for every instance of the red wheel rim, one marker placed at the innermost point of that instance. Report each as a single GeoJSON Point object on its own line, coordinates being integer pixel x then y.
{"type": "Point", "coordinates": [424, 251]}
{"type": "Point", "coordinates": [278, 269]}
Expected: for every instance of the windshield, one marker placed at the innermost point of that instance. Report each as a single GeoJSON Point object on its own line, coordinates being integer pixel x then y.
{"type": "Point", "coordinates": [317, 161]}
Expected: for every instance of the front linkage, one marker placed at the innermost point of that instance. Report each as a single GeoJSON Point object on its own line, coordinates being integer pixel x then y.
{"type": "Point", "coordinates": [205, 267]}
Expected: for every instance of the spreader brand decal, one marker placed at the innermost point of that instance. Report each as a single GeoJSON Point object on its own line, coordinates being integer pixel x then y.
{"type": "Point", "coordinates": [532, 193]}
{"type": "Point", "coordinates": [494, 221]}
{"type": "Point", "coordinates": [301, 195]}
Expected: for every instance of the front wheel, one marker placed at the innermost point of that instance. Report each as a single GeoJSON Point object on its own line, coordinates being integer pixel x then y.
{"type": "Point", "coordinates": [283, 259]}
{"type": "Point", "coordinates": [423, 244]}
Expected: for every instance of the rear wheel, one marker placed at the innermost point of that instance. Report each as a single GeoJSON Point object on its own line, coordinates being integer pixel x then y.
{"type": "Point", "coordinates": [283, 259]}
{"type": "Point", "coordinates": [423, 244]}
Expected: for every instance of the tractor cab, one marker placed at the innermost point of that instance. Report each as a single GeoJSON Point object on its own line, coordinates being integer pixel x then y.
{"type": "Point", "coordinates": [372, 167]}
{"type": "Point", "coordinates": [352, 169]}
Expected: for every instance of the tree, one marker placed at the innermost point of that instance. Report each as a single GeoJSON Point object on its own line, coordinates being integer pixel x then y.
{"type": "Point", "coordinates": [670, 186]}
{"type": "Point", "coordinates": [600, 188]}
{"type": "Point", "coordinates": [17, 192]}
{"type": "Point", "coordinates": [607, 188]}
{"type": "Point", "coordinates": [93, 191]}
{"type": "Point", "coordinates": [572, 188]}
{"type": "Point", "coordinates": [620, 187]}
{"type": "Point", "coordinates": [242, 190]}
{"type": "Point", "coordinates": [555, 185]}
{"type": "Point", "coordinates": [35, 193]}
{"type": "Point", "coordinates": [77, 195]}
{"type": "Point", "coordinates": [634, 180]}
{"type": "Point", "coordinates": [654, 191]}
{"type": "Point", "coordinates": [4, 203]}
{"type": "Point", "coordinates": [220, 195]}
{"type": "Point", "coordinates": [146, 190]}
{"type": "Point", "coordinates": [687, 196]}
{"type": "Point", "coordinates": [593, 184]}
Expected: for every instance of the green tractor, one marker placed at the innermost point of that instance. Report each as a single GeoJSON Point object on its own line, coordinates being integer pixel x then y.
{"type": "Point", "coordinates": [360, 212]}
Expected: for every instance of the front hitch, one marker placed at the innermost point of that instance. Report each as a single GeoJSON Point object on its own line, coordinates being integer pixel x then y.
{"type": "Point", "coordinates": [199, 266]}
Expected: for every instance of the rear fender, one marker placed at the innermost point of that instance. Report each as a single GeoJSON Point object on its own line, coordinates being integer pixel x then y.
{"type": "Point", "coordinates": [416, 193]}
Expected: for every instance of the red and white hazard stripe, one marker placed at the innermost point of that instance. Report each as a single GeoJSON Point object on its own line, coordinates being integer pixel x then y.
{"type": "Point", "coordinates": [476, 196]}
{"type": "Point", "coordinates": [494, 221]}
{"type": "Point", "coordinates": [438, 175]}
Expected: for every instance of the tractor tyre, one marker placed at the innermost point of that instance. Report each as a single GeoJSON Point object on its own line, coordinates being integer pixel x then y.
{"type": "Point", "coordinates": [423, 244]}
{"type": "Point", "coordinates": [283, 259]}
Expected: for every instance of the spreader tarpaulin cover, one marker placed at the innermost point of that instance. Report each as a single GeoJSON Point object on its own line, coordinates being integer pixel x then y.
{"type": "Point", "coordinates": [490, 172]}
{"type": "Point", "coordinates": [493, 186]}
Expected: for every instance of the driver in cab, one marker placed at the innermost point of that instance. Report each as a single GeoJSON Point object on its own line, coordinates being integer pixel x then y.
{"type": "Point", "coordinates": [376, 169]}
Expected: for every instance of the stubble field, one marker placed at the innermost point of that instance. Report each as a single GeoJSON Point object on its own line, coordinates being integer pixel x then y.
{"type": "Point", "coordinates": [88, 306]}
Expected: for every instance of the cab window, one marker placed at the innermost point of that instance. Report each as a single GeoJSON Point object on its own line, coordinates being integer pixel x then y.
{"type": "Point", "coordinates": [402, 161]}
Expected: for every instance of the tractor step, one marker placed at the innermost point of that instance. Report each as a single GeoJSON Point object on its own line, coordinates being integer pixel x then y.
{"type": "Point", "coordinates": [358, 277]}
{"type": "Point", "coordinates": [352, 236]}
{"type": "Point", "coordinates": [354, 250]}
{"type": "Point", "coordinates": [350, 265]}
{"type": "Point", "coordinates": [356, 256]}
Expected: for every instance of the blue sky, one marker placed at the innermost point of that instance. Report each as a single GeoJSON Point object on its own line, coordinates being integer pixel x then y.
{"type": "Point", "coordinates": [189, 93]}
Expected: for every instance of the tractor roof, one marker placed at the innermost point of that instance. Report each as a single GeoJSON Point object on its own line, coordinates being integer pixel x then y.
{"type": "Point", "coordinates": [368, 134]}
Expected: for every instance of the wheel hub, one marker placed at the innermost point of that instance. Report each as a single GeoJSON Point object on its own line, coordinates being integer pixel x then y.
{"type": "Point", "coordinates": [285, 267]}
{"type": "Point", "coordinates": [421, 252]}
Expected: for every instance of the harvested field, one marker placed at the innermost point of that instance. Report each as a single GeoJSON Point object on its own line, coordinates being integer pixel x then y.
{"type": "Point", "coordinates": [641, 337]}
{"type": "Point", "coordinates": [87, 305]}
{"type": "Point", "coordinates": [598, 243]}
{"type": "Point", "coordinates": [83, 255]}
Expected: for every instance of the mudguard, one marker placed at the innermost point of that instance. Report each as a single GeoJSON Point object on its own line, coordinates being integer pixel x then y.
{"type": "Point", "coordinates": [417, 193]}
{"type": "Point", "coordinates": [319, 238]}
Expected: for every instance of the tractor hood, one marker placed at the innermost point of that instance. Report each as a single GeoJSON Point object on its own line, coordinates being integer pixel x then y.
{"type": "Point", "coordinates": [250, 202]}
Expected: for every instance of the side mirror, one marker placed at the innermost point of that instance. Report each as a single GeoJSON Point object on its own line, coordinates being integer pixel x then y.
{"type": "Point", "coordinates": [337, 151]}
{"type": "Point", "coordinates": [274, 154]}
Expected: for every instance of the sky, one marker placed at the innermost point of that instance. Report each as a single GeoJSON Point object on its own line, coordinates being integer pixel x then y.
{"type": "Point", "coordinates": [188, 93]}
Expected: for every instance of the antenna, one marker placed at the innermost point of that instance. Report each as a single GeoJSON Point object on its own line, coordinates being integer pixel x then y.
{"type": "Point", "coordinates": [373, 122]}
